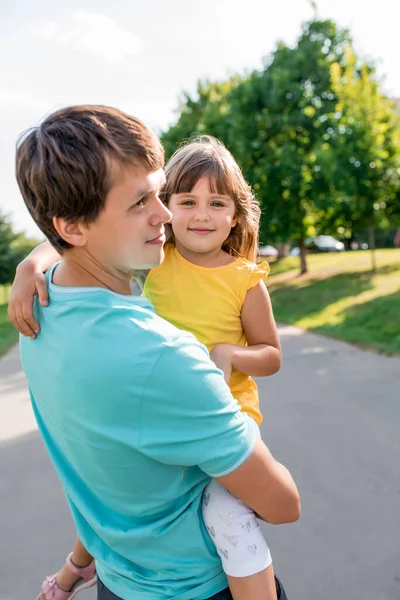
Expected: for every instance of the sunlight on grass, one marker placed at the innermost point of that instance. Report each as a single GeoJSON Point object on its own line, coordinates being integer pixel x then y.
{"type": "Point", "coordinates": [4, 293]}
{"type": "Point", "coordinates": [342, 298]}
{"type": "Point", "coordinates": [336, 262]}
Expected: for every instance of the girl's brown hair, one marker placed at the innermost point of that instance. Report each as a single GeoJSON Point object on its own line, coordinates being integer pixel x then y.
{"type": "Point", "coordinates": [206, 156]}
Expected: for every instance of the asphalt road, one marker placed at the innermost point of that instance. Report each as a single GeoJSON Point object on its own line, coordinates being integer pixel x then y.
{"type": "Point", "coordinates": [332, 415]}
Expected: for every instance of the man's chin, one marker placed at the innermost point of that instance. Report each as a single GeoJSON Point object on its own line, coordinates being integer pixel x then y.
{"type": "Point", "coordinates": [151, 264]}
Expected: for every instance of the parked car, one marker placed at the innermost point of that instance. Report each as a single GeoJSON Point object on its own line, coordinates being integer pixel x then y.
{"type": "Point", "coordinates": [324, 243]}
{"type": "Point", "coordinates": [268, 251]}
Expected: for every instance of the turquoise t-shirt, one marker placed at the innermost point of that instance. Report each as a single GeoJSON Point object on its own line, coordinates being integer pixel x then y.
{"type": "Point", "coordinates": [136, 419]}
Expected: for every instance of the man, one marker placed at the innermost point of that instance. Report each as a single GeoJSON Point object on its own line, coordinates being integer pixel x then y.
{"type": "Point", "coordinates": [135, 416]}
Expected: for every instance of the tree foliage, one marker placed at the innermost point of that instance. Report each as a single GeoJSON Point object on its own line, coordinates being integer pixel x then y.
{"type": "Point", "coordinates": [13, 248]}
{"type": "Point", "coordinates": [313, 133]}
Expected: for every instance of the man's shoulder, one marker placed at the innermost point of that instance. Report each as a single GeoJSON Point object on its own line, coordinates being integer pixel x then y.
{"type": "Point", "coordinates": [91, 316]}
{"type": "Point", "coordinates": [124, 336]}
{"type": "Point", "coordinates": [134, 319]}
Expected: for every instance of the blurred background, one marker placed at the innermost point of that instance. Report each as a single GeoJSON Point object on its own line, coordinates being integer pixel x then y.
{"type": "Point", "coordinates": [304, 94]}
{"type": "Point", "coordinates": [307, 97]}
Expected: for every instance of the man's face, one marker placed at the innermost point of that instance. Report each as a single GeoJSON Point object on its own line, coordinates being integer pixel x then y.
{"type": "Point", "coordinates": [129, 233]}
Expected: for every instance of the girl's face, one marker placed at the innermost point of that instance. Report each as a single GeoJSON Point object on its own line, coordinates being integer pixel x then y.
{"type": "Point", "coordinates": [201, 220]}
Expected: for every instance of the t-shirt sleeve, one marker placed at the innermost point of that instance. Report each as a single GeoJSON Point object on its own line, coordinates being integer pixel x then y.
{"type": "Point", "coordinates": [189, 416]}
{"type": "Point", "coordinates": [259, 273]}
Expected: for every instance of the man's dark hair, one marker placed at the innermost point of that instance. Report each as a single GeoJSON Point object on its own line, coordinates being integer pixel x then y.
{"type": "Point", "coordinates": [63, 166]}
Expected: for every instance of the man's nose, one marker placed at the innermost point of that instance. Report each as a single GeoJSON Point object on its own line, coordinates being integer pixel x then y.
{"type": "Point", "coordinates": [161, 214]}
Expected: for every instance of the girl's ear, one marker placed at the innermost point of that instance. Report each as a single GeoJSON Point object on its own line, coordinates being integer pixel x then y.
{"type": "Point", "coordinates": [234, 222]}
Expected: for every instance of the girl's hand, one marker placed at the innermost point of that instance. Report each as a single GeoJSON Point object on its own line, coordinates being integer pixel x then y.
{"type": "Point", "coordinates": [222, 355]}
{"type": "Point", "coordinates": [28, 283]}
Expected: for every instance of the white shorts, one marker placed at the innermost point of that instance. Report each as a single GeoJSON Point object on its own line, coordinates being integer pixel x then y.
{"type": "Point", "coordinates": [235, 531]}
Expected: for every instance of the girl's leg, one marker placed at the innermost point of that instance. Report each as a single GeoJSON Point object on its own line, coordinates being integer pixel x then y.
{"type": "Point", "coordinates": [81, 558]}
{"type": "Point", "coordinates": [65, 579]}
{"type": "Point", "coordinates": [260, 586]}
{"type": "Point", "coordinates": [237, 536]}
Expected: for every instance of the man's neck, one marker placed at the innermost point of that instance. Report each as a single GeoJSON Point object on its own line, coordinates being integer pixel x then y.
{"type": "Point", "coordinates": [80, 269]}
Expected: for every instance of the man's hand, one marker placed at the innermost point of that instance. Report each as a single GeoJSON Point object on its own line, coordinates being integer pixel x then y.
{"type": "Point", "coordinates": [222, 355]}
{"type": "Point", "coordinates": [28, 283]}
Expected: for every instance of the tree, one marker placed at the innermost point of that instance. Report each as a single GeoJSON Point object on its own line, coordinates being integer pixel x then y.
{"type": "Point", "coordinates": [13, 248]}
{"type": "Point", "coordinates": [291, 105]}
{"type": "Point", "coordinates": [366, 158]}
{"type": "Point", "coordinates": [206, 114]}
{"type": "Point", "coordinates": [314, 135]}
{"type": "Point", "coordinates": [271, 121]}
{"type": "Point", "coordinates": [7, 264]}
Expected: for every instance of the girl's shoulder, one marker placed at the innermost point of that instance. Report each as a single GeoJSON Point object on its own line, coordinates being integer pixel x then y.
{"type": "Point", "coordinates": [243, 275]}
{"type": "Point", "coordinates": [260, 270]}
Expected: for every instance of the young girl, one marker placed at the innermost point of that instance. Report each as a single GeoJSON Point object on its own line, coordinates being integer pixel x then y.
{"type": "Point", "coordinates": [208, 284]}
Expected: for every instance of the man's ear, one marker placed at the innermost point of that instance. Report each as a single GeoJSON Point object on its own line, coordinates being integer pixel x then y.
{"type": "Point", "coordinates": [73, 232]}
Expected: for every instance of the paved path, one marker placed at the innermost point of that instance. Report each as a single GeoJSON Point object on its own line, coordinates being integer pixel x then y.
{"type": "Point", "coordinates": [332, 415]}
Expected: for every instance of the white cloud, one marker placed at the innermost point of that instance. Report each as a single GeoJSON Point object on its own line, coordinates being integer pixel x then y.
{"type": "Point", "coordinates": [98, 34]}
{"type": "Point", "coordinates": [44, 31]}
{"type": "Point", "coordinates": [19, 99]}
{"type": "Point", "coordinates": [91, 32]}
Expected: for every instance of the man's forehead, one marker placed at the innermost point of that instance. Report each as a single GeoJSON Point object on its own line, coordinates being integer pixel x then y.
{"type": "Point", "coordinates": [150, 182]}
{"type": "Point", "coordinates": [140, 180]}
{"type": "Point", "coordinates": [159, 177]}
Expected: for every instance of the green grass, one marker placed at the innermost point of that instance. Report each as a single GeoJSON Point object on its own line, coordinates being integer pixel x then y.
{"type": "Point", "coordinates": [8, 335]}
{"type": "Point", "coordinates": [341, 297]}
{"type": "Point", "coordinates": [4, 293]}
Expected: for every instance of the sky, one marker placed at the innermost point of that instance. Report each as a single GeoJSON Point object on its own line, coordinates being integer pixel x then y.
{"type": "Point", "coordinates": [140, 56]}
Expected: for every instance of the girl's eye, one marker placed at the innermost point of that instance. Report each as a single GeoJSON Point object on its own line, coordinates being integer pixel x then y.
{"type": "Point", "coordinates": [217, 204]}
{"type": "Point", "coordinates": [188, 203]}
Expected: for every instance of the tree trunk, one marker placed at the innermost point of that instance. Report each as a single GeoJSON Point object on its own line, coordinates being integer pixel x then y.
{"type": "Point", "coordinates": [283, 249]}
{"type": "Point", "coordinates": [303, 258]}
{"type": "Point", "coordinates": [371, 240]}
{"type": "Point", "coordinates": [348, 242]}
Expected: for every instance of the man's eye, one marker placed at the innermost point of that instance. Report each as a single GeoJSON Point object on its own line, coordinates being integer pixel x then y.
{"type": "Point", "coordinates": [141, 202]}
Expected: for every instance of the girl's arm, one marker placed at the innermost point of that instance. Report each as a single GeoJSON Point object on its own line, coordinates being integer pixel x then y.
{"type": "Point", "coordinates": [41, 257]}
{"type": "Point", "coordinates": [262, 356]}
{"type": "Point", "coordinates": [29, 281]}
